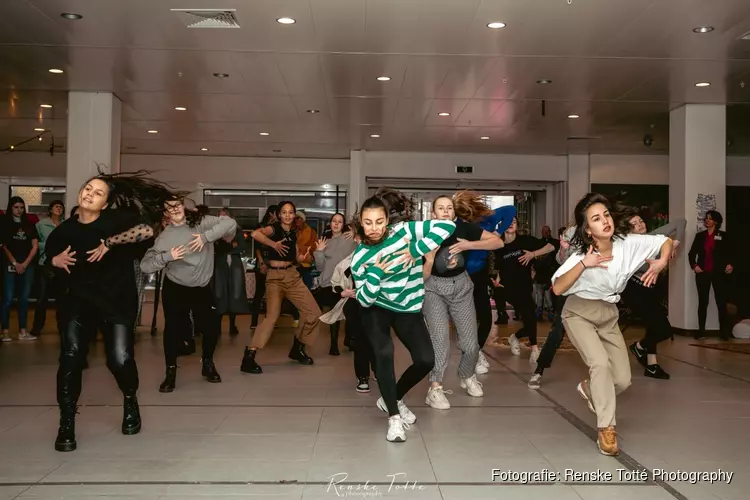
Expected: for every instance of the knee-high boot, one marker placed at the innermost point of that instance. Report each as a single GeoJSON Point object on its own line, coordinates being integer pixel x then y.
{"type": "Point", "coordinates": [334, 351]}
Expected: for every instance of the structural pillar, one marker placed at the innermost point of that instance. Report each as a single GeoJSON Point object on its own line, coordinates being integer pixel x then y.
{"type": "Point", "coordinates": [579, 180]}
{"type": "Point", "coordinates": [697, 182]}
{"type": "Point", "coordinates": [357, 182]}
{"type": "Point", "coordinates": [94, 120]}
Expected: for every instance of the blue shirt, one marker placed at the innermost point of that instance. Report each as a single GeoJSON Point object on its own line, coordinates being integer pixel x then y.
{"type": "Point", "coordinates": [498, 222]}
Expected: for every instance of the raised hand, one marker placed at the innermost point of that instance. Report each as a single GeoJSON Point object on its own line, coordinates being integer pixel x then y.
{"type": "Point", "coordinates": [196, 244]}
{"type": "Point", "coordinates": [322, 244]}
{"type": "Point", "coordinates": [98, 253]}
{"type": "Point", "coordinates": [459, 247]}
{"type": "Point", "coordinates": [592, 259]}
{"type": "Point", "coordinates": [655, 267]}
{"type": "Point", "coordinates": [178, 253]}
{"type": "Point", "coordinates": [65, 259]}
{"type": "Point", "coordinates": [526, 258]}
{"type": "Point", "coordinates": [349, 235]}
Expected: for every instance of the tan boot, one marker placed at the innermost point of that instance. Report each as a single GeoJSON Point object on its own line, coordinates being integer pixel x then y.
{"type": "Point", "coordinates": [607, 441]}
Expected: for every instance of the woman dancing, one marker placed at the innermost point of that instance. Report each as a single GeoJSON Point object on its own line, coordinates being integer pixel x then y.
{"type": "Point", "coordinates": [185, 251]}
{"type": "Point", "coordinates": [390, 288]}
{"type": "Point", "coordinates": [283, 281]}
{"type": "Point", "coordinates": [593, 279]}
{"type": "Point", "coordinates": [449, 294]}
{"type": "Point", "coordinates": [101, 290]}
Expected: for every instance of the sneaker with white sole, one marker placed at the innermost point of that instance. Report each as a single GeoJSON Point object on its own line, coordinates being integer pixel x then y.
{"type": "Point", "coordinates": [534, 355]}
{"type": "Point", "coordinates": [515, 345]}
{"type": "Point", "coordinates": [472, 386]}
{"type": "Point", "coordinates": [483, 366]}
{"type": "Point", "coordinates": [5, 338]}
{"type": "Point", "coordinates": [26, 336]}
{"type": "Point", "coordinates": [406, 414]}
{"type": "Point", "coordinates": [535, 382]}
{"type": "Point", "coordinates": [363, 384]}
{"type": "Point", "coordinates": [436, 398]}
{"type": "Point", "coordinates": [585, 392]}
{"type": "Point", "coordinates": [396, 429]}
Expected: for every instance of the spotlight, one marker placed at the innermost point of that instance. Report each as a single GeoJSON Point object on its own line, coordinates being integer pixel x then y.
{"type": "Point", "coordinates": [648, 140]}
{"type": "Point", "coordinates": [71, 17]}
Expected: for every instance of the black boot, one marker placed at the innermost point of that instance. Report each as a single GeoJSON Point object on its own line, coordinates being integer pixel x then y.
{"type": "Point", "coordinates": [131, 416]}
{"type": "Point", "coordinates": [66, 434]}
{"type": "Point", "coordinates": [334, 351]}
{"type": "Point", "coordinates": [248, 362]}
{"type": "Point", "coordinates": [298, 353]}
{"type": "Point", "coordinates": [209, 371]}
{"type": "Point", "coordinates": [169, 380]}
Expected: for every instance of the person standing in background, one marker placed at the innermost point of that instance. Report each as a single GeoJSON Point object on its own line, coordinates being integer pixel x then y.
{"type": "Point", "coordinates": [544, 267]}
{"type": "Point", "coordinates": [229, 275]}
{"type": "Point", "coordinates": [48, 287]}
{"type": "Point", "coordinates": [261, 267]}
{"type": "Point", "coordinates": [20, 245]}
{"type": "Point", "coordinates": [307, 239]}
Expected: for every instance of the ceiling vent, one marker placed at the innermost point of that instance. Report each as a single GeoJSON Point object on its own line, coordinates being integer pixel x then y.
{"type": "Point", "coordinates": [208, 18]}
{"type": "Point", "coordinates": [746, 36]}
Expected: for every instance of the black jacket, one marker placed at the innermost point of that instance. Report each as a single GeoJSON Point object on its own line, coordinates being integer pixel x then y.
{"type": "Point", "coordinates": [723, 251]}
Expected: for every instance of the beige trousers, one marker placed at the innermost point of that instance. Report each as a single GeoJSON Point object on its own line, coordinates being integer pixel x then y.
{"type": "Point", "coordinates": [592, 328]}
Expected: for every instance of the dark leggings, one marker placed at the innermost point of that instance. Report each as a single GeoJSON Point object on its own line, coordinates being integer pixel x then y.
{"type": "Point", "coordinates": [326, 297]}
{"type": "Point", "coordinates": [178, 302]}
{"type": "Point", "coordinates": [718, 280]}
{"type": "Point", "coordinates": [555, 336]}
{"type": "Point", "coordinates": [118, 346]}
{"type": "Point", "coordinates": [482, 305]}
{"type": "Point", "coordinates": [523, 305]}
{"type": "Point", "coordinates": [412, 332]}
{"type": "Point", "coordinates": [645, 302]}
{"type": "Point", "coordinates": [363, 357]}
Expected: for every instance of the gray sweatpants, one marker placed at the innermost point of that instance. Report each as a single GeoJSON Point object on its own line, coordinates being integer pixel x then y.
{"type": "Point", "coordinates": [449, 299]}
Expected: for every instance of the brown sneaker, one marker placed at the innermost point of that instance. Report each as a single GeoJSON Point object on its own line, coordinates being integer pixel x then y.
{"type": "Point", "coordinates": [585, 391]}
{"type": "Point", "coordinates": [607, 441]}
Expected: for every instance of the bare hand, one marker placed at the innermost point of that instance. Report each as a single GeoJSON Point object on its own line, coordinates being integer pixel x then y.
{"type": "Point", "coordinates": [403, 257]}
{"type": "Point", "coordinates": [655, 267]}
{"type": "Point", "coordinates": [349, 235]}
{"type": "Point", "coordinates": [697, 269]}
{"type": "Point", "coordinates": [64, 260]}
{"type": "Point", "coordinates": [98, 253]}
{"type": "Point", "coordinates": [526, 258]}
{"type": "Point", "coordinates": [729, 269]}
{"type": "Point", "coordinates": [263, 269]}
{"type": "Point", "coordinates": [383, 263]}
{"type": "Point", "coordinates": [349, 293]}
{"type": "Point", "coordinates": [430, 257]}
{"type": "Point", "coordinates": [675, 244]}
{"type": "Point", "coordinates": [280, 248]}
{"type": "Point", "coordinates": [496, 283]}
{"type": "Point", "coordinates": [594, 259]}
{"type": "Point", "coordinates": [196, 245]}
{"type": "Point", "coordinates": [564, 244]}
{"type": "Point", "coordinates": [302, 257]}
{"type": "Point", "coordinates": [20, 268]}
{"type": "Point", "coordinates": [459, 247]}
{"type": "Point", "coordinates": [322, 244]}
{"type": "Point", "coordinates": [178, 253]}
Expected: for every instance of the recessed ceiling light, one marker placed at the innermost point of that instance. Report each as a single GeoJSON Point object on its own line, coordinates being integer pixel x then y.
{"type": "Point", "coordinates": [221, 75]}
{"type": "Point", "coordinates": [285, 20]}
{"type": "Point", "coordinates": [384, 78]}
{"type": "Point", "coordinates": [496, 26]}
{"type": "Point", "coordinates": [485, 138]}
{"type": "Point", "coordinates": [573, 116]}
{"type": "Point", "coordinates": [313, 111]}
{"type": "Point", "coordinates": [153, 131]}
{"type": "Point", "coordinates": [71, 17]}
{"type": "Point", "coordinates": [703, 29]}
{"type": "Point", "coordinates": [544, 81]}
{"type": "Point", "coordinates": [204, 149]}
{"type": "Point", "coordinates": [45, 106]}
{"type": "Point", "coordinates": [444, 114]}
{"type": "Point", "coordinates": [264, 133]}
{"type": "Point", "coordinates": [702, 84]}
{"type": "Point", "coordinates": [56, 71]}
{"type": "Point", "coordinates": [38, 130]}
{"type": "Point", "coordinates": [180, 108]}
{"type": "Point", "coordinates": [375, 136]}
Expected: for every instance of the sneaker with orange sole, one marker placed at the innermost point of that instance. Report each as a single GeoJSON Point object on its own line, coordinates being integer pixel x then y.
{"type": "Point", "coordinates": [607, 441]}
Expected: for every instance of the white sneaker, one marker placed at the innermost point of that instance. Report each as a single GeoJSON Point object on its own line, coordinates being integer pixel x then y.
{"type": "Point", "coordinates": [436, 398]}
{"type": "Point", "coordinates": [5, 338]}
{"type": "Point", "coordinates": [515, 345]}
{"type": "Point", "coordinates": [396, 429]}
{"type": "Point", "coordinates": [584, 391]}
{"type": "Point", "coordinates": [26, 336]}
{"type": "Point", "coordinates": [472, 386]}
{"type": "Point", "coordinates": [406, 414]}
{"type": "Point", "coordinates": [534, 355]}
{"type": "Point", "coordinates": [481, 369]}
{"type": "Point", "coordinates": [482, 360]}
{"type": "Point", "coordinates": [536, 381]}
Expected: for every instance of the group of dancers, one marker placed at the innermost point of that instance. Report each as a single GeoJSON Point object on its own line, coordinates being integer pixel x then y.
{"type": "Point", "coordinates": [381, 271]}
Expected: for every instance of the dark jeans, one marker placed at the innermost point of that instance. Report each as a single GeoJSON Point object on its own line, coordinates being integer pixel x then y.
{"type": "Point", "coordinates": [178, 302]}
{"type": "Point", "coordinates": [412, 332]}
{"type": "Point", "coordinates": [645, 302]}
{"type": "Point", "coordinates": [555, 336]}
{"type": "Point", "coordinates": [498, 293]}
{"type": "Point", "coordinates": [482, 305]}
{"type": "Point", "coordinates": [704, 281]}
{"type": "Point", "coordinates": [363, 356]}
{"type": "Point", "coordinates": [48, 288]}
{"type": "Point", "coordinates": [523, 305]}
{"type": "Point", "coordinates": [118, 346]}
{"type": "Point", "coordinates": [11, 283]}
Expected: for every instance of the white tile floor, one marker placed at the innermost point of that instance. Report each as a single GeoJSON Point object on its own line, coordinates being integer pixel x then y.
{"type": "Point", "coordinates": [286, 433]}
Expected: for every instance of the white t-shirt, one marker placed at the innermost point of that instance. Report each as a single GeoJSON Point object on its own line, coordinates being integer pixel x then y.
{"type": "Point", "coordinates": [628, 255]}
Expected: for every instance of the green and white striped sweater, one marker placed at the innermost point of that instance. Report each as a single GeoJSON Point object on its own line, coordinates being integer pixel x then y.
{"type": "Point", "coordinates": [403, 289]}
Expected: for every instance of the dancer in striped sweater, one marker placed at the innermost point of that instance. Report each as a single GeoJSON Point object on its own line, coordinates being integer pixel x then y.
{"type": "Point", "coordinates": [387, 272]}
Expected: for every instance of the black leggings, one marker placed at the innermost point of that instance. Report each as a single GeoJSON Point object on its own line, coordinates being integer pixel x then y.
{"type": "Point", "coordinates": [645, 302]}
{"type": "Point", "coordinates": [523, 305]}
{"type": "Point", "coordinates": [412, 332]}
{"type": "Point", "coordinates": [482, 305]}
{"type": "Point", "coordinates": [555, 336]}
{"type": "Point", "coordinates": [178, 302]}
{"type": "Point", "coordinates": [704, 281]}
{"type": "Point", "coordinates": [118, 346]}
{"type": "Point", "coordinates": [363, 356]}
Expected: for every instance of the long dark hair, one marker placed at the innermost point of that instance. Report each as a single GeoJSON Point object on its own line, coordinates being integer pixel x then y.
{"type": "Point", "coordinates": [371, 203]}
{"type": "Point", "coordinates": [581, 239]}
{"type": "Point", "coordinates": [26, 224]}
{"type": "Point", "coordinates": [399, 207]}
{"type": "Point", "coordinates": [272, 210]}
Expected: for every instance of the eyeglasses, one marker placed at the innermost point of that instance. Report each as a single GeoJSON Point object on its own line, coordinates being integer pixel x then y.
{"type": "Point", "coordinates": [173, 208]}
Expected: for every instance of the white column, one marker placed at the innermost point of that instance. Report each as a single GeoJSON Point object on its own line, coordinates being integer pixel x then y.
{"type": "Point", "coordinates": [357, 183]}
{"type": "Point", "coordinates": [579, 179]}
{"type": "Point", "coordinates": [697, 166]}
{"type": "Point", "coordinates": [93, 139]}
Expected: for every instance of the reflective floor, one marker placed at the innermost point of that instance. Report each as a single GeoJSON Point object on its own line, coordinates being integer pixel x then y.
{"type": "Point", "coordinates": [294, 430]}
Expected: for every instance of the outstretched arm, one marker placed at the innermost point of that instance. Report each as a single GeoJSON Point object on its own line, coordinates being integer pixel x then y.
{"type": "Point", "coordinates": [428, 235]}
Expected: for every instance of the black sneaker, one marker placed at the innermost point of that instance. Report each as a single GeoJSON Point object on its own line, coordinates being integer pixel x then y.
{"type": "Point", "coordinates": [655, 371]}
{"type": "Point", "coordinates": [363, 384]}
{"type": "Point", "coordinates": [640, 354]}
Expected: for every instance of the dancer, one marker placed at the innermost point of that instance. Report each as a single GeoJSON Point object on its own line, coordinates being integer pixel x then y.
{"type": "Point", "coordinates": [20, 243]}
{"type": "Point", "coordinates": [283, 280]}
{"type": "Point", "coordinates": [229, 275]}
{"type": "Point", "coordinates": [712, 258]}
{"type": "Point", "coordinates": [513, 262]}
{"type": "Point", "coordinates": [646, 301]}
{"type": "Point", "coordinates": [593, 279]}
{"type": "Point", "coordinates": [329, 252]}
{"type": "Point", "coordinates": [185, 251]}
{"type": "Point", "coordinates": [101, 290]}
{"type": "Point", "coordinates": [449, 294]}
{"type": "Point", "coordinates": [390, 287]}
{"type": "Point", "coordinates": [48, 286]}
